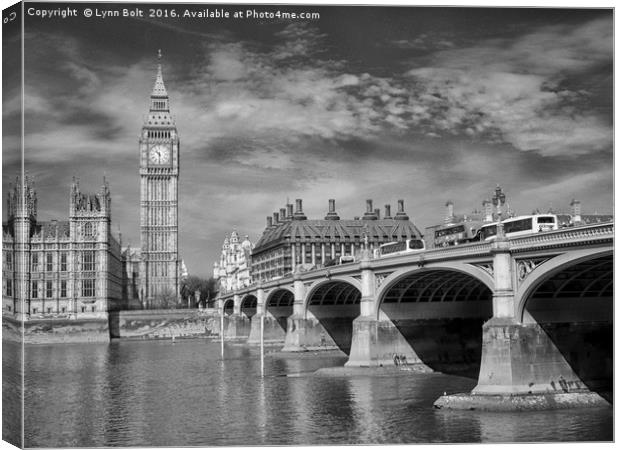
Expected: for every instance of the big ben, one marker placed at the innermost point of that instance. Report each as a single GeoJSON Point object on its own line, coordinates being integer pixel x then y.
{"type": "Point", "coordinates": [159, 176]}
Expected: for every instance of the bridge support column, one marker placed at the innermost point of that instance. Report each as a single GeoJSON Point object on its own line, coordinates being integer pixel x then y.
{"type": "Point", "coordinates": [272, 331]}
{"type": "Point", "coordinates": [238, 327]}
{"type": "Point", "coordinates": [377, 342]}
{"type": "Point", "coordinates": [238, 324]}
{"type": "Point", "coordinates": [520, 368]}
{"type": "Point", "coordinates": [303, 330]}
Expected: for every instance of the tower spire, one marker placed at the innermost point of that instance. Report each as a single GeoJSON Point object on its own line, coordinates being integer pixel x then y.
{"type": "Point", "coordinates": [159, 89]}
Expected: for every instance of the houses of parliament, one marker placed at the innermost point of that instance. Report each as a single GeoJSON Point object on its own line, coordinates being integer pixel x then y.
{"type": "Point", "coordinates": [77, 268]}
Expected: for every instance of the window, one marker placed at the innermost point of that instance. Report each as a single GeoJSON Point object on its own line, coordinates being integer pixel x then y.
{"type": "Point", "coordinates": [34, 262]}
{"type": "Point", "coordinates": [49, 262]}
{"type": "Point", "coordinates": [35, 289]}
{"type": "Point", "coordinates": [35, 310]}
{"type": "Point", "coordinates": [9, 260]}
{"type": "Point", "coordinates": [49, 310]}
{"type": "Point", "coordinates": [9, 287]}
{"type": "Point", "coordinates": [88, 288]}
{"type": "Point", "coordinates": [88, 260]}
{"type": "Point", "coordinates": [83, 308]}
{"type": "Point", "coordinates": [63, 288]}
{"type": "Point", "coordinates": [63, 262]}
{"type": "Point", "coordinates": [93, 309]}
{"type": "Point", "coordinates": [64, 309]}
{"type": "Point", "coordinates": [88, 229]}
{"type": "Point", "coordinates": [48, 289]}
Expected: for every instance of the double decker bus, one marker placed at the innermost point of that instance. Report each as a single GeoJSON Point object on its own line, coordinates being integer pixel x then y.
{"type": "Point", "coordinates": [521, 225]}
{"type": "Point", "coordinates": [400, 248]}
{"type": "Point", "coordinates": [455, 234]}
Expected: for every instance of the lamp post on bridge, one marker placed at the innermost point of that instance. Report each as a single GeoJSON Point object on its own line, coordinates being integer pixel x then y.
{"type": "Point", "coordinates": [499, 199]}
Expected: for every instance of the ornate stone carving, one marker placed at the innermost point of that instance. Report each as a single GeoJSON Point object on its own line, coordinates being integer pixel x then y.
{"type": "Point", "coordinates": [380, 278]}
{"type": "Point", "coordinates": [525, 266]}
{"type": "Point", "coordinates": [487, 267]}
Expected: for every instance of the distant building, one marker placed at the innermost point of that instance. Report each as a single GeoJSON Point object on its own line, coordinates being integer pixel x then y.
{"type": "Point", "coordinates": [232, 271]}
{"type": "Point", "coordinates": [60, 269]}
{"type": "Point", "coordinates": [131, 259]}
{"type": "Point", "coordinates": [290, 239]}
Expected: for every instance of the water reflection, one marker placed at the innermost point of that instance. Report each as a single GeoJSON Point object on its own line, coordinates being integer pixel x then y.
{"type": "Point", "coordinates": [163, 394]}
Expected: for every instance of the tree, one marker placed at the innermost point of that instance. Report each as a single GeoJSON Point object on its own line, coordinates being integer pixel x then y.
{"type": "Point", "coordinates": [166, 299]}
{"type": "Point", "coordinates": [207, 287]}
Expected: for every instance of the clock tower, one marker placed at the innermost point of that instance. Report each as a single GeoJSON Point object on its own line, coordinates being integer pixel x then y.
{"type": "Point", "coordinates": [159, 175]}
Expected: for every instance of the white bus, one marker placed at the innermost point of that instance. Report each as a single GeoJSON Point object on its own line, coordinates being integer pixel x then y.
{"type": "Point", "coordinates": [521, 225]}
{"type": "Point", "coordinates": [401, 247]}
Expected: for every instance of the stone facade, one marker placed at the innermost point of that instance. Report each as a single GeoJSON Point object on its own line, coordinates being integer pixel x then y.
{"type": "Point", "coordinates": [291, 240]}
{"type": "Point", "coordinates": [159, 268]}
{"type": "Point", "coordinates": [60, 269]}
{"type": "Point", "coordinates": [233, 269]}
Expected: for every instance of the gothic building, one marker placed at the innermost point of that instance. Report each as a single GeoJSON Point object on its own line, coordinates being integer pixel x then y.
{"type": "Point", "coordinates": [159, 266]}
{"type": "Point", "coordinates": [291, 239]}
{"type": "Point", "coordinates": [56, 269]}
{"type": "Point", "coordinates": [232, 271]}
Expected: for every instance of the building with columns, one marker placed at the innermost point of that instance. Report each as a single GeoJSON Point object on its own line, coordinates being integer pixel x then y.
{"type": "Point", "coordinates": [233, 269]}
{"type": "Point", "coordinates": [290, 239]}
{"type": "Point", "coordinates": [60, 268]}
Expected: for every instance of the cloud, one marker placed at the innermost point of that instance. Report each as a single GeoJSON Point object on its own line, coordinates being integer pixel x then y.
{"type": "Point", "coordinates": [282, 115]}
{"type": "Point", "coordinates": [518, 91]}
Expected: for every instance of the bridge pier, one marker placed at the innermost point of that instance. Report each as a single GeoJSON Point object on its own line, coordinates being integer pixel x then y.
{"type": "Point", "coordinates": [303, 330]}
{"type": "Point", "coordinates": [521, 367]}
{"type": "Point", "coordinates": [272, 331]}
{"type": "Point", "coordinates": [377, 343]}
{"type": "Point", "coordinates": [238, 327]}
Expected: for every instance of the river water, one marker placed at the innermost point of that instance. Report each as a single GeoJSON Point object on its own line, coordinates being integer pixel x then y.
{"type": "Point", "coordinates": [160, 393]}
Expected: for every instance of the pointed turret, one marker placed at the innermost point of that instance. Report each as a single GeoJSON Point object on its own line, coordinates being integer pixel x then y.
{"type": "Point", "coordinates": [159, 111]}
{"type": "Point", "coordinates": [159, 89]}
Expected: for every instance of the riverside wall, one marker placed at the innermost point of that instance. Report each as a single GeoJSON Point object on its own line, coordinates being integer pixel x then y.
{"type": "Point", "coordinates": [163, 324]}
{"type": "Point", "coordinates": [134, 324]}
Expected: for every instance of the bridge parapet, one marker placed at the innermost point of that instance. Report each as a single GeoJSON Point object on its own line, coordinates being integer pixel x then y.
{"type": "Point", "coordinates": [588, 234]}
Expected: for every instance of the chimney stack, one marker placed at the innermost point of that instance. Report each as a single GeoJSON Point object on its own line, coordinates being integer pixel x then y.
{"type": "Point", "coordinates": [377, 213]}
{"type": "Point", "coordinates": [369, 214]}
{"type": "Point", "coordinates": [575, 210]}
{"type": "Point", "coordinates": [299, 213]}
{"type": "Point", "coordinates": [282, 214]}
{"type": "Point", "coordinates": [289, 211]}
{"type": "Point", "coordinates": [269, 222]}
{"type": "Point", "coordinates": [276, 218]}
{"type": "Point", "coordinates": [400, 215]}
{"type": "Point", "coordinates": [449, 213]}
{"type": "Point", "coordinates": [487, 207]}
{"type": "Point", "coordinates": [331, 213]}
{"type": "Point", "coordinates": [388, 212]}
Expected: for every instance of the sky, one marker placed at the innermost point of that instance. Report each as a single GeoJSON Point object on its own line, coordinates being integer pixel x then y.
{"type": "Point", "coordinates": [385, 103]}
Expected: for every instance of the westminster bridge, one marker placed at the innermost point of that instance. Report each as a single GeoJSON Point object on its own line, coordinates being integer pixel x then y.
{"type": "Point", "coordinates": [525, 315]}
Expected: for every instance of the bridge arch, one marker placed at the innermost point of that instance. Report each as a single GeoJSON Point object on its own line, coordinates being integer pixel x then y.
{"type": "Point", "coordinates": [569, 299]}
{"type": "Point", "coordinates": [439, 312]}
{"type": "Point", "coordinates": [248, 305]}
{"type": "Point", "coordinates": [552, 271]}
{"type": "Point", "coordinates": [229, 307]}
{"type": "Point", "coordinates": [462, 271]}
{"type": "Point", "coordinates": [279, 304]}
{"type": "Point", "coordinates": [334, 303]}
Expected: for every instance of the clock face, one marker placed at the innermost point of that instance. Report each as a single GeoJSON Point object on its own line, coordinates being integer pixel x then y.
{"type": "Point", "coordinates": [159, 154]}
